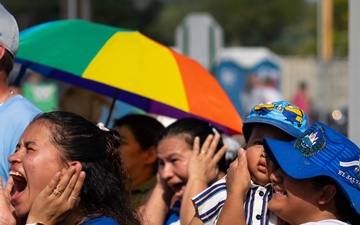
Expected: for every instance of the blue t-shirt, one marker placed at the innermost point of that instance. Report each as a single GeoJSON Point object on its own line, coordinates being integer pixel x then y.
{"type": "Point", "coordinates": [173, 217]}
{"type": "Point", "coordinates": [103, 220]}
{"type": "Point", "coordinates": [15, 115]}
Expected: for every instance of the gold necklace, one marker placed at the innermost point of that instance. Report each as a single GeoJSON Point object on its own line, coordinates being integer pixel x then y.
{"type": "Point", "coordinates": [7, 97]}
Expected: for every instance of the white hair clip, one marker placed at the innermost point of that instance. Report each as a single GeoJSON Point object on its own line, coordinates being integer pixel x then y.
{"type": "Point", "coordinates": [214, 130]}
{"type": "Point", "coordinates": [102, 126]}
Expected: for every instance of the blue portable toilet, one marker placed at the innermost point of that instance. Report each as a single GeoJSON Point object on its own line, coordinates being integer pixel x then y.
{"type": "Point", "coordinates": [234, 67]}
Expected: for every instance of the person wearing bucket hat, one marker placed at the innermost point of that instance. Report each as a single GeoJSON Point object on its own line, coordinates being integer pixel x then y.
{"type": "Point", "coordinates": [15, 111]}
{"type": "Point", "coordinates": [232, 200]}
{"type": "Point", "coordinates": [318, 180]}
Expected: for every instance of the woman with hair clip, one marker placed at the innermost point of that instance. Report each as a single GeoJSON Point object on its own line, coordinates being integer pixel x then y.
{"type": "Point", "coordinates": [185, 169]}
{"type": "Point", "coordinates": [47, 185]}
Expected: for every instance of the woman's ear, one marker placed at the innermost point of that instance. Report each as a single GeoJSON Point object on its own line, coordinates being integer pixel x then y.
{"type": "Point", "coordinates": [2, 50]}
{"type": "Point", "coordinates": [328, 193]}
{"type": "Point", "coordinates": [77, 165]}
{"type": "Point", "coordinates": [150, 155]}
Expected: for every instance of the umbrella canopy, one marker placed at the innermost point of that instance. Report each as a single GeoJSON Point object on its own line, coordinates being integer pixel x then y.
{"type": "Point", "coordinates": [129, 66]}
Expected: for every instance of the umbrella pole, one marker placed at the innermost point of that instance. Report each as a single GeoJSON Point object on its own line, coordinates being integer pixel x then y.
{"type": "Point", "coordinates": [112, 107]}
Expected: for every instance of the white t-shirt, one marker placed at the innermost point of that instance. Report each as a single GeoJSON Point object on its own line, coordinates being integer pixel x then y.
{"type": "Point", "coordinates": [327, 222]}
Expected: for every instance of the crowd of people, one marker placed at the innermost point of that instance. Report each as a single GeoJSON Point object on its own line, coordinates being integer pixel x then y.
{"type": "Point", "coordinates": [61, 168]}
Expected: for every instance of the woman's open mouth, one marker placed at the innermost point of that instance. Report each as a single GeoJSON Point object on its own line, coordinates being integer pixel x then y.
{"type": "Point", "coordinates": [20, 184]}
{"type": "Point", "coordinates": [178, 189]}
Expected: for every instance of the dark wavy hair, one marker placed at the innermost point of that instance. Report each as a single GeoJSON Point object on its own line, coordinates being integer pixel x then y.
{"type": "Point", "coordinates": [194, 127]}
{"type": "Point", "coordinates": [105, 191]}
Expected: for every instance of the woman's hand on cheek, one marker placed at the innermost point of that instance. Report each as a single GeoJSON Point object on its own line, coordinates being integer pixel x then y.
{"type": "Point", "coordinates": [59, 197]}
{"type": "Point", "coordinates": [6, 209]}
{"type": "Point", "coordinates": [161, 185]}
{"type": "Point", "coordinates": [203, 162]}
{"type": "Point", "coordinates": [238, 176]}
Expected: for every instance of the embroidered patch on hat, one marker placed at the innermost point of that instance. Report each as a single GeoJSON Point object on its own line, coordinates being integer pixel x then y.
{"type": "Point", "coordinates": [349, 171]}
{"type": "Point", "coordinates": [311, 142]}
{"type": "Point", "coordinates": [351, 163]}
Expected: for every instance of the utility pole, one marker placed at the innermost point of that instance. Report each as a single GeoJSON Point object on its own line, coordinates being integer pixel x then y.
{"type": "Point", "coordinates": [325, 30]}
{"type": "Point", "coordinates": [324, 49]}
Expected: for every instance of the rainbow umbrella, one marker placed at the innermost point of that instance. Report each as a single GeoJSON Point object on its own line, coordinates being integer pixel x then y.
{"type": "Point", "coordinates": [128, 66]}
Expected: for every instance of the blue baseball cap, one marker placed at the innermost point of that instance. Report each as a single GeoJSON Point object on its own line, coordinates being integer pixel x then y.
{"type": "Point", "coordinates": [320, 151]}
{"type": "Point", "coordinates": [281, 114]}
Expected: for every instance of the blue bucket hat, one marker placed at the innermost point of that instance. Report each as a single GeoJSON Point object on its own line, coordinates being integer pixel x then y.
{"type": "Point", "coordinates": [281, 114]}
{"type": "Point", "coordinates": [320, 151]}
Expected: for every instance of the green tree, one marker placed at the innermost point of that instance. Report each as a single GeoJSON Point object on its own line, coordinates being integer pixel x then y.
{"type": "Point", "coordinates": [126, 13]}
{"type": "Point", "coordinates": [247, 22]}
{"type": "Point", "coordinates": [286, 27]}
{"type": "Point", "coordinates": [30, 13]}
